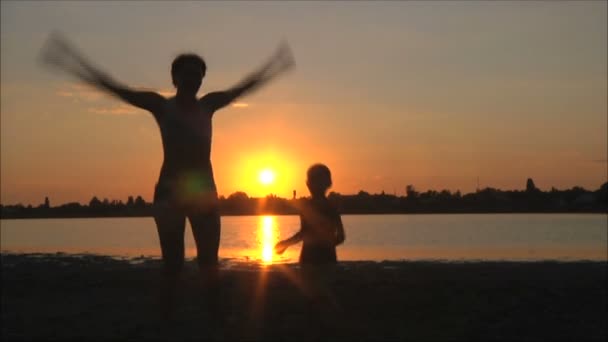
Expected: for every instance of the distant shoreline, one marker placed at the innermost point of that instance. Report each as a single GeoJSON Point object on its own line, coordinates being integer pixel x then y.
{"type": "Point", "coordinates": [483, 201]}
{"type": "Point", "coordinates": [598, 212]}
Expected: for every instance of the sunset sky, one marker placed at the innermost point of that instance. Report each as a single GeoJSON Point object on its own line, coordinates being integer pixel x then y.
{"type": "Point", "coordinates": [434, 94]}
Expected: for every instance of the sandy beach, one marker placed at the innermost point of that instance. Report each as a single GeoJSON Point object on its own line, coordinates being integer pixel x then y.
{"type": "Point", "coordinates": [89, 297]}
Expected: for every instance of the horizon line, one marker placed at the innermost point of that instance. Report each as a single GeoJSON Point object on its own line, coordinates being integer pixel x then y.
{"type": "Point", "coordinates": [605, 184]}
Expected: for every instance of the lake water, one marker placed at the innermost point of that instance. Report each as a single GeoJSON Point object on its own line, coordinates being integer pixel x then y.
{"type": "Point", "coordinates": [460, 237]}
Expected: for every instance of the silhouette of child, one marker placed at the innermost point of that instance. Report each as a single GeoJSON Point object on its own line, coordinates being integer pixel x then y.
{"type": "Point", "coordinates": [321, 226]}
{"type": "Point", "coordinates": [321, 230]}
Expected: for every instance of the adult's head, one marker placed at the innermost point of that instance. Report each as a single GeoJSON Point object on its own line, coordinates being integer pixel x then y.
{"type": "Point", "coordinates": [187, 72]}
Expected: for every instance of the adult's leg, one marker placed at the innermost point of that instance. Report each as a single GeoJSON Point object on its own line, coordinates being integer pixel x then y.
{"type": "Point", "coordinates": [170, 225]}
{"type": "Point", "coordinates": [206, 230]}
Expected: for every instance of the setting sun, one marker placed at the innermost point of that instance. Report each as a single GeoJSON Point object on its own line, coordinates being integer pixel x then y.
{"type": "Point", "coordinates": [259, 171]}
{"type": "Point", "coordinates": [267, 177]}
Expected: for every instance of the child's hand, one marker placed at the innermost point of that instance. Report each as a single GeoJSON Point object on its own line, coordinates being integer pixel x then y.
{"type": "Point", "coordinates": [280, 247]}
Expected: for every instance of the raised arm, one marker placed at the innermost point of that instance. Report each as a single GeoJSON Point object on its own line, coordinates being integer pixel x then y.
{"type": "Point", "coordinates": [280, 62]}
{"type": "Point", "coordinates": [62, 55]}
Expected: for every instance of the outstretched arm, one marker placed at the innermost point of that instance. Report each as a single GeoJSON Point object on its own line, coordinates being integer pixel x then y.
{"type": "Point", "coordinates": [59, 53]}
{"type": "Point", "coordinates": [280, 62]}
{"type": "Point", "coordinates": [280, 247]}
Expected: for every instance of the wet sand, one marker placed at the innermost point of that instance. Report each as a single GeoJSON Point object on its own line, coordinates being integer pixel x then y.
{"type": "Point", "coordinates": [88, 297]}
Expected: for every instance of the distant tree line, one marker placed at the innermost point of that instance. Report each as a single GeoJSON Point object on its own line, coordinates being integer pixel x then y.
{"type": "Point", "coordinates": [488, 200]}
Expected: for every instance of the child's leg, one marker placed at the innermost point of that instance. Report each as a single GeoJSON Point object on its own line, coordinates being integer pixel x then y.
{"type": "Point", "coordinates": [317, 280]}
{"type": "Point", "coordinates": [320, 301]}
{"type": "Point", "coordinates": [324, 312]}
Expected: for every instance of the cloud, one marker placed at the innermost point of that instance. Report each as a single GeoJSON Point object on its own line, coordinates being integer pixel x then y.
{"type": "Point", "coordinates": [116, 110]}
{"type": "Point", "coordinates": [166, 93]}
{"type": "Point", "coordinates": [240, 105]}
{"type": "Point", "coordinates": [65, 93]}
{"type": "Point", "coordinates": [80, 92]}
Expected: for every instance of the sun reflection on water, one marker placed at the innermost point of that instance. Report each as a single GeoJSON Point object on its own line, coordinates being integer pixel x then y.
{"type": "Point", "coordinates": [267, 237]}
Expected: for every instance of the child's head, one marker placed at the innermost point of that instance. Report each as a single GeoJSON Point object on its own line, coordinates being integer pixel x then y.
{"type": "Point", "coordinates": [318, 179]}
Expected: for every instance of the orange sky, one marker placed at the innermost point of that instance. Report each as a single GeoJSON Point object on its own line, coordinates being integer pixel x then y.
{"type": "Point", "coordinates": [386, 94]}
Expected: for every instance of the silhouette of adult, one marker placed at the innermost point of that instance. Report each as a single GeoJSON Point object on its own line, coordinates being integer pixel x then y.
{"type": "Point", "coordinates": [186, 186]}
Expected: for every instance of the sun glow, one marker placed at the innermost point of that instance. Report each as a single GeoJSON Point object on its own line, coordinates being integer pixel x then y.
{"type": "Point", "coordinates": [267, 176]}
{"type": "Point", "coordinates": [261, 172]}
